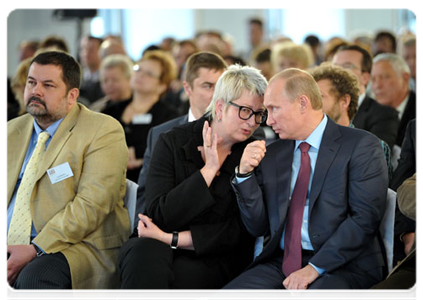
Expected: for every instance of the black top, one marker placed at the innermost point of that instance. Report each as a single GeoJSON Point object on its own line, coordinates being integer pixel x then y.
{"type": "Point", "coordinates": [178, 198]}
{"type": "Point", "coordinates": [136, 132]}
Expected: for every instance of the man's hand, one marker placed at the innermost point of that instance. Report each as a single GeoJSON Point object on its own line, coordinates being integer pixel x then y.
{"type": "Point", "coordinates": [299, 280]}
{"type": "Point", "coordinates": [20, 255]}
{"type": "Point", "coordinates": [252, 156]}
{"type": "Point", "coordinates": [408, 240]}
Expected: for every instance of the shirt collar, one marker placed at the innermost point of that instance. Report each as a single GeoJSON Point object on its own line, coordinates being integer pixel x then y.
{"type": "Point", "coordinates": [315, 138]}
{"type": "Point", "coordinates": [191, 116]}
{"type": "Point", "coordinates": [51, 129]}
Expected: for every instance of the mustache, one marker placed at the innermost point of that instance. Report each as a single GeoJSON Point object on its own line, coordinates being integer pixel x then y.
{"type": "Point", "coordinates": [35, 99]}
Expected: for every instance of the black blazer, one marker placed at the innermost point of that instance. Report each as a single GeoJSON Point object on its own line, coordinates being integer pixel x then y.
{"type": "Point", "coordinates": [178, 199]}
{"type": "Point", "coordinates": [347, 200]}
{"type": "Point", "coordinates": [378, 119]}
{"type": "Point", "coordinates": [409, 114]}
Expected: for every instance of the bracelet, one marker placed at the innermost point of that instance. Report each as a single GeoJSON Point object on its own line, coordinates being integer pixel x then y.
{"type": "Point", "coordinates": [239, 175]}
{"type": "Point", "coordinates": [174, 244]}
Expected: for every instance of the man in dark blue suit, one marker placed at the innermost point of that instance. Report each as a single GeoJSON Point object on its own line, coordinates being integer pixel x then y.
{"type": "Point", "coordinates": [202, 71]}
{"type": "Point", "coordinates": [343, 181]}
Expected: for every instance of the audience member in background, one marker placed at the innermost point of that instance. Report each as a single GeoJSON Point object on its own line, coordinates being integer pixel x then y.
{"type": "Point", "coordinates": [408, 52]}
{"type": "Point", "coordinates": [407, 160]}
{"type": "Point", "coordinates": [27, 49]}
{"type": "Point", "coordinates": [202, 71]}
{"type": "Point", "coordinates": [115, 79]}
{"type": "Point", "coordinates": [379, 119]}
{"type": "Point", "coordinates": [233, 60]}
{"type": "Point", "coordinates": [384, 42]}
{"type": "Point", "coordinates": [13, 106]}
{"type": "Point", "coordinates": [403, 276]}
{"type": "Point", "coordinates": [389, 76]}
{"type": "Point", "coordinates": [256, 38]}
{"type": "Point", "coordinates": [194, 237]}
{"type": "Point", "coordinates": [76, 219]}
{"type": "Point", "coordinates": [54, 43]}
{"type": "Point", "coordinates": [150, 80]}
{"type": "Point", "coordinates": [339, 88]}
{"type": "Point", "coordinates": [404, 226]}
{"type": "Point", "coordinates": [290, 55]}
{"type": "Point", "coordinates": [262, 61]}
{"type": "Point", "coordinates": [90, 62]}
{"type": "Point", "coordinates": [210, 41]}
{"type": "Point", "coordinates": [111, 45]}
{"type": "Point", "coordinates": [167, 44]}
{"type": "Point", "coordinates": [314, 42]}
{"type": "Point", "coordinates": [332, 46]}
{"type": "Point", "coordinates": [365, 41]}
{"type": "Point", "coordinates": [18, 83]}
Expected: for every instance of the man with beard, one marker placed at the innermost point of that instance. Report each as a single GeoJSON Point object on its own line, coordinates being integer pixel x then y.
{"type": "Point", "coordinates": [65, 213]}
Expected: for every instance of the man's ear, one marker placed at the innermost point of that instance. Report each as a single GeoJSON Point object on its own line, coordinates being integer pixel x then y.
{"type": "Point", "coordinates": [187, 88]}
{"type": "Point", "coordinates": [345, 102]}
{"type": "Point", "coordinates": [304, 103]}
{"type": "Point", "coordinates": [73, 95]}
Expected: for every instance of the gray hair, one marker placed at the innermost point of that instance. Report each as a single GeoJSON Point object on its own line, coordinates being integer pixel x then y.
{"type": "Point", "coordinates": [396, 61]}
{"type": "Point", "coordinates": [117, 60]}
{"type": "Point", "coordinates": [233, 82]}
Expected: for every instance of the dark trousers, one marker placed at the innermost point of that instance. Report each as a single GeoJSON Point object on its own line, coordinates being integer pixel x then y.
{"type": "Point", "coordinates": [50, 271]}
{"type": "Point", "coordinates": [403, 284]}
{"type": "Point", "coordinates": [269, 275]}
{"type": "Point", "coordinates": [150, 264]}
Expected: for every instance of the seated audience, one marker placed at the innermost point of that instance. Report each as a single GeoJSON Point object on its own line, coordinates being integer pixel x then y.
{"type": "Point", "coordinates": [403, 276]}
{"type": "Point", "coordinates": [66, 181]}
{"type": "Point", "coordinates": [379, 119]}
{"type": "Point", "coordinates": [193, 236]}
{"type": "Point", "coordinates": [389, 76]}
{"type": "Point", "coordinates": [115, 77]}
{"type": "Point", "coordinates": [150, 80]}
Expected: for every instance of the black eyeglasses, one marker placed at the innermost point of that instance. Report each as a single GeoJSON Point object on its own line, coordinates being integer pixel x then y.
{"type": "Point", "coordinates": [245, 113]}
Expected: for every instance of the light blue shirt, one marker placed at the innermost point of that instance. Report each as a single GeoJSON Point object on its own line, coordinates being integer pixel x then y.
{"type": "Point", "coordinates": [32, 143]}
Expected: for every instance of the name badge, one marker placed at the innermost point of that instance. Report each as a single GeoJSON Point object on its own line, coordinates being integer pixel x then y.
{"type": "Point", "coordinates": [59, 173]}
{"type": "Point", "coordinates": [142, 119]}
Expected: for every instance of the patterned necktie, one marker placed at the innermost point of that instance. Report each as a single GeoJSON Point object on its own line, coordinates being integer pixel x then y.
{"type": "Point", "coordinates": [21, 223]}
{"type": "Point", "coordinates": [292, 252]}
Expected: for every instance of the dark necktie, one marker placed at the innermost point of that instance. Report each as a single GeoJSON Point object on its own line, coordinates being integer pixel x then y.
{"type": "Point", "coordinates": [292, 252]}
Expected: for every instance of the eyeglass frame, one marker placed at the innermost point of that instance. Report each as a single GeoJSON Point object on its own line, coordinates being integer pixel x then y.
{"type": "Point", "coordinates": [255, 113]}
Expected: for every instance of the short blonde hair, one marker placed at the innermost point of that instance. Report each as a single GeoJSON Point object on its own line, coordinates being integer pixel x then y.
{"type": "Point", "coordinates": [299, 82]}
{"type": "Point", "coordinates": [233, 82]}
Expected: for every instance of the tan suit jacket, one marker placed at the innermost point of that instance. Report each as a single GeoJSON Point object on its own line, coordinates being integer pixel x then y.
{"type": "Point", "coordinates": [409, 205]}
{"type": "Point", "coordinates": [82, 216]}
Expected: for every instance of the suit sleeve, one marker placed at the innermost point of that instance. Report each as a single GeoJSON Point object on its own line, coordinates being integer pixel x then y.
{"type": "Point", "coordinates": [97, 194]}
{"type": "Point", "coordinates": [251, 204]}
{"type": "Point", "coordinates": [386, 127]}
{"type": "Point", "coordinates": [367, 184]}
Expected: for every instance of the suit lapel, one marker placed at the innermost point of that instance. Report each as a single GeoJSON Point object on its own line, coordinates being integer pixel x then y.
{"type": "Point", "coordinates": [284, 159]}
{"type": "Point", "coordinates": [59, 140]}
{"type": "Point", "coordinates": [328, 149]}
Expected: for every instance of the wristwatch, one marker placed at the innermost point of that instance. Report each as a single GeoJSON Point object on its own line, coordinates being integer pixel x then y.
{"type": "Point", "coordinates": [238, 175]}
{"type": "Point", "coordinates": [39, 251]}
{"type": "Point", "coordinates": [174, 244]}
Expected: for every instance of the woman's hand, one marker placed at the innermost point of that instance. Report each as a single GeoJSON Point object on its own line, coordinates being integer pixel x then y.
{"type": "Point", "coordinates": [146, 228]}
{"type": "Point", "coordinates": [210, 154]}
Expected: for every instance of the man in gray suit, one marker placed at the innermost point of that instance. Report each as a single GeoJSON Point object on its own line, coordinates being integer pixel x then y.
{"type": "Point", "coordinates": [319, 192]}
{"type": "Point", "coordinates": [202, 71]}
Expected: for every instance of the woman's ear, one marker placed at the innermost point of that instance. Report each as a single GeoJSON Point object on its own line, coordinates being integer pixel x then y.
{"type": "Point", "coordinates": [220, 105]}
